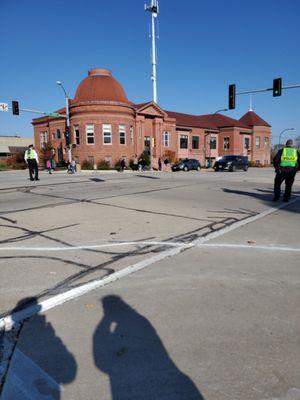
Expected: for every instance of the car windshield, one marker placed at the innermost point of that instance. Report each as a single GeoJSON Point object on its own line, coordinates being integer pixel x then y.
{"type": "Point", "coordinates": [229, 158]}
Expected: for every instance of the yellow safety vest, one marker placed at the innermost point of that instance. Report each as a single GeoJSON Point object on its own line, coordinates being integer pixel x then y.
{"type": "Point", "coordinates": [289, 157]}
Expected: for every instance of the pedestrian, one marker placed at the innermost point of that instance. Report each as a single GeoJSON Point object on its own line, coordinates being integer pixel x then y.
{"type": "Point", "coordinates": [49, 166]}
{"type": "Point", "coordinates": [140, 164]}
{"type": "Point", "coordinates": [159, 164]}
{"type": "Point", "coordinates": [286, 163]}
{"type": "Point", "coordinates": [53, 164]}
{"type": "Point", "coordinates": [32, 160]}
{"type": "Point", "coordinates": [135, 163]}
{"type": "Point", "coordinates": [73, 166]}
{"type": "Point", "coordinates": [143, 165]}
{"type": "Point", "coordinates": [166, 162]}
{"type": "Point", "coordinates": [122, 165]}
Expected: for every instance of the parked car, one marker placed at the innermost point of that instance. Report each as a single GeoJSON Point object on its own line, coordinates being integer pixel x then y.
{"type": "Point", "coordinates": [232, 163]}
{"type": "Point", "coordinates": [187, 165]}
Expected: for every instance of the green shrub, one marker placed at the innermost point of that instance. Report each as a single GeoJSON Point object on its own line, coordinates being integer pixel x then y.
{"type": "Point", "coordinates": [87, 165]}
{"type": "Point", "coordinates": [103, 165]}
{"type": "Point", "coordinates": [3, 166]}
{"type": "Point", "coordinates": [146, 157]}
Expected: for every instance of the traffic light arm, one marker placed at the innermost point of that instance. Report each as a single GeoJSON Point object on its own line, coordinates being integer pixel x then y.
{"type": "Point", "coordinates": [266, 90]}
{"type": "Point", "coordinates": [57, 115]}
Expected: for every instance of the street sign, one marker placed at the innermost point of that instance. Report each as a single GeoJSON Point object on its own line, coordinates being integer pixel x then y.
{"type": "Point", "coordinates": [3, 107]}
{"type": "Point", "coordinates": [53, 115]}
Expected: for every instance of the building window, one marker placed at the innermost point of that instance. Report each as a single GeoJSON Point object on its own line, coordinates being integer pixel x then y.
{"type": "Point", "coordinates": [246, 143]}
{"type": "Point", "coordinates": [122, 134]}
{"type": "Point", "coordinates": [43, 139]}
{"type": "Point", "coordinates": [226, 143]}
{"type": "Point", "coordinates": [213, 143]}
{"type": "Point", "coordinates": [90, 136]}
{"type": "Point", "coordinates": [58, 134]}
{"type": "Point", "coordinates": [76, 135]}
{"type": "Point", "coordinates": [131, 135]}
{"type": "Point", "coordinates": [106, 133]}
{"type": "Point", "coordinates": [266, 142]}
{"type": "Point", "coordinates": [195, 142]}
{"type": "Point", "coordinates": [257, 142]}
{"type": "Point", "coordinates": [166, 139]}
{"type": "Point", "coordinates": [183, 141]}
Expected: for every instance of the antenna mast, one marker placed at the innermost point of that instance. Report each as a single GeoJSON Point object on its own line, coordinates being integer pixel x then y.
{"type": "Point", "coordinates": [154, 9]}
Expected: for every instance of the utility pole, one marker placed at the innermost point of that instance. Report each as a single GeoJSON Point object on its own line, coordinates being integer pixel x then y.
{"type": "Point", "coordinates": [68, 133]}
{"type": "Point", "coordinates": [154, 9]}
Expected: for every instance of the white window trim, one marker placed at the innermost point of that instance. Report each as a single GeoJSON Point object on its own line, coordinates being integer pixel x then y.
{"type": "Point", "coordinates": [103, 131]}
{"type": "Point", "coordinates": [123, 130]}
{"type": "Point", "coordinates": [167, 135]}
{"type": "Point", "coordinates": [188, 141]}
{"type": "Point", "coordinates": [257, 141]}
{"type": "Point", "coordinates": [131, 135]}
{"type": "Point", "coordinates": [86, 134]}
{"type": "Point", "coordinates": [74, 134]}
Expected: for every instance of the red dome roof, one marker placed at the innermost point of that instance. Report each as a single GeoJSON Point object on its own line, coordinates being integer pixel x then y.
{"type": "Point", "coordinates": [100, 85]}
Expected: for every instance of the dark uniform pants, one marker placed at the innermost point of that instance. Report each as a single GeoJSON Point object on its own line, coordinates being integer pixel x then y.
{"type": "Point", "coordinates": [287, 175]}
{"type": "Point", "coordinates": [33, 169]}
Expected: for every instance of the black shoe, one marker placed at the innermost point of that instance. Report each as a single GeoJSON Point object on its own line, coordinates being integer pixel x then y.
{"type": "Point", "coordinates": [275, 199]}
{"type": "Point", "coordinates": [286, 200]}
{"type": "Point", "coordinates": [37, 179]}
{"type": "Point", "coordinates": [31, 179]}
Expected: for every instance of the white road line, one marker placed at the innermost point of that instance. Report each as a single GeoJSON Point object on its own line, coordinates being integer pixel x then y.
{"type": "Point", "coordinates": [249, 246]}
{"type": "Point", "coordinates": [7, 322]}
{"type": "Point", "coordinates": [10, 320]}
{"type": "Point", "coordinates": [150, 243]}
{"type": "Point", "coordinates": [91, 247]}
{"type": "Point", "coordinates": [243, 222]}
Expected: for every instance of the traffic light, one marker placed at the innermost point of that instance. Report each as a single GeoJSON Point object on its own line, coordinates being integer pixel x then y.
{"type": "Point", "coordinates": [277, 86]}
{"type": "Point", "coordinates": [15, 107]}
{"type": "Point", "coordinates": [231, 97]}
{"type": "Point", "coordinates": [67, 136]}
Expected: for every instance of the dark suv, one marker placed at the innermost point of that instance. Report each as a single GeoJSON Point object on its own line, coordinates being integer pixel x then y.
{"type": "Point", "coordinates": [186, 165]}
{"type": "Point", "coordinates": [232, 163]}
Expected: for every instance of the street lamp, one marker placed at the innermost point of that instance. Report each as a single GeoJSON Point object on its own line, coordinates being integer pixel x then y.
{"type": "Point", "coordinates": [285, 130]}
{"type": "Point", "coordinates": [209, 158]}
{"type": "Point", "coordinates": [68, 119]}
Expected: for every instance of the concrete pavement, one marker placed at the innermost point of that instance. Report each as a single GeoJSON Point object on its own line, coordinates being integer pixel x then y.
{"type": "Point", "coordinates": [218, 320]}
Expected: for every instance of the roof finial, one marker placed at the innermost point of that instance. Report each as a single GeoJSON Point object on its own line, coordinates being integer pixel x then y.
{"type": "Point", "coordinates": [250, 106]}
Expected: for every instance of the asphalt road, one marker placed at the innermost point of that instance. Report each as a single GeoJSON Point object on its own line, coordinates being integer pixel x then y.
{"type": "Point", "coordinates": [149, 286]}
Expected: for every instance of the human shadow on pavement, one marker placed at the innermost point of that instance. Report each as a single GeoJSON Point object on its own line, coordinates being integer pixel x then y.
{"type": "Point", "coordinates": [128, 349]}
{"type": "Point", "coordinates": [44, 361]}
{"type": "Point", "coordinates": [264, 196]}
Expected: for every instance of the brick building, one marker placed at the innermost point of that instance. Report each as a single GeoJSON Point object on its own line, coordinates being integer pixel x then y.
{"type": "Point", "coordinates": [105, 125]}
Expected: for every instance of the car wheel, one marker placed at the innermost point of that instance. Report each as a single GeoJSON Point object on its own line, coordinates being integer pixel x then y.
{"type": "Point", "coordinates": [246, 168]}
{"type": "Point", "coordinates": [185, 169]}
{"type": "Point", "coordinates": [217, 169]}
{"type": "Point", "coordinates": [198, 168]}
{"type": "Point", "coordinates": [233, 168]}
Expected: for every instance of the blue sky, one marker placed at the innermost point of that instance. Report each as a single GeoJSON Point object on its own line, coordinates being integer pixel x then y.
{"type": "Point", "coordinates": [203, 47]}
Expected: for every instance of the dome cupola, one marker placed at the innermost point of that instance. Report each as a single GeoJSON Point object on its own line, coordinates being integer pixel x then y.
{"type": "Point", "coordinates": [100, 85]}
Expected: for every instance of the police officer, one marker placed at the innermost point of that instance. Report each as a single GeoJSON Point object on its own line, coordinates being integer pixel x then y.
{"type": "Point", "coordinates": [286, 163]}
{"type": "Point", "coordinates": [32, 160]}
